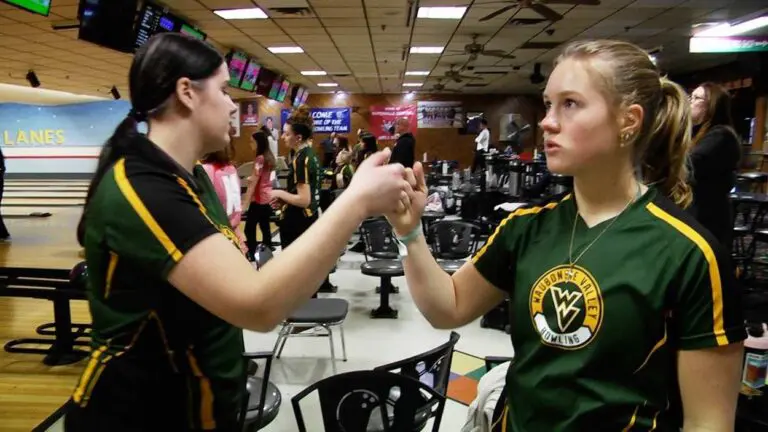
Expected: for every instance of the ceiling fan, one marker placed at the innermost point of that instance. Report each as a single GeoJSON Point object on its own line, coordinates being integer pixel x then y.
{"type": "Point", "coordinates": [439, 87]}
{"type": "Point", "coordinates": [475, 49]}
{"type": "Point", "coordinates": [538, 6]}
{"type": "Point", "coordinates": [455, 75]}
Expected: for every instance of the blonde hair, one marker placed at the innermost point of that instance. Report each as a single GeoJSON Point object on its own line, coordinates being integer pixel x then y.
{"type": "Point", "coordinates": [627, 76]}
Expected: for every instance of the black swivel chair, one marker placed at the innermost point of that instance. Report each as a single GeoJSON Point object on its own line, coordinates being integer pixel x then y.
{"type": "Point", "coordinates": [357, 401]}
{"type": "Point", "coordinates": [453, 241]}
{"type": "Point", "coordinates": [263, 398]}
{"type": "Point", "coordinates": [380, 244]}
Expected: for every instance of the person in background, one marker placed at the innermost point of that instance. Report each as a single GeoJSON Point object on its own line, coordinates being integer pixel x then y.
{"type": "Point", "coordinates": [4, 234]}
{"type": "Point", "coordinates": [273, 147]}
{"type": "Point", "coordinates": [344, 167]}
{"type": "Point", "coordinates": [329, 147]}
{"type": "Point", "coordinates": [714, 159]}
{"type": "Point", "coordinates": [404, 151]}
{"type": "Point", "coordinates": [223, 176]}
{"type": "Point", "coordinates": [368, 146]}
{"type": "Point", "coordinates": [482, 142]}
{"type": "Point", "coordinates": [168, 288]}
{"type": "Point", "coordinates": [258, 195]}
{"type": "Point", "coordinates": [299, 202]}
{"type": "Point", "coordinates": [621, 303]}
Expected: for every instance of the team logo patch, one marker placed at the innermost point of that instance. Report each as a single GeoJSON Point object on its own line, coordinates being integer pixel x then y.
{"type": "Point", "coordinates": [566, 307]}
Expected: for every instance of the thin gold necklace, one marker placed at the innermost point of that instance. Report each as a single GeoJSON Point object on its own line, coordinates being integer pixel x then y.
{"type": "Point", "coordinates": [572, 262]}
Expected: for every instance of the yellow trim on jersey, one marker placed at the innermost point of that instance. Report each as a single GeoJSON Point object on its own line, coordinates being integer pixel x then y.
{"type": "Point", "coordinates": [519, 212]}
{"type": "Point", "coordinates": [306, 169]}
{"type": "Point", "coordinates": [632, 420]}
{"type": "Point", "coordinates": [85, 378]}
{"type": "Point", "coordinates": [111, 266]}
{"type": "Point", "coordinates": [130, 194]}
{"type": "Point", "coordinates": [206, 395]}
{"type": "Point", "coordinates": [655, 348]}
{"type": "Point", "coordinates": [653, 427]}
{"type": "Point", "coordinates": [714, 269]}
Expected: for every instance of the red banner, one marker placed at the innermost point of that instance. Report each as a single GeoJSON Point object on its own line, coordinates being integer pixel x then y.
{"type": "Point", "coordinates": [384, 117]}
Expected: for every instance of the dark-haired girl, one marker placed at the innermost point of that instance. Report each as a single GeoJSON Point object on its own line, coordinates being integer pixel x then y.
{"type": "Point", "coordinates": [168, 287]}
{"type": "Point", "coordinates": [715, 159]}
{"type": "Point", "coordinates": [258, 194]}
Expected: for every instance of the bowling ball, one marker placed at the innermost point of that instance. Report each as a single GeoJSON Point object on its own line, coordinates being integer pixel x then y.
{"type": "Point", "coordinates": [78, 276]}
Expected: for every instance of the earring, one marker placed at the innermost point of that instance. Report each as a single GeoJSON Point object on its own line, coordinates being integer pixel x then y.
{"type": "Point", "coordinates": [625, 137]}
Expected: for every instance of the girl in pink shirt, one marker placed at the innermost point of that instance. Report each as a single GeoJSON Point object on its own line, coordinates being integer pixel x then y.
{"type": "Point", "coordinates": [226, 182]}
{"type": "Point", "coordinates": [257, 197]}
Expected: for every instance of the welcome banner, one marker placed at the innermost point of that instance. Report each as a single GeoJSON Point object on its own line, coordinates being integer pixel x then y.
{"type": "Point", "coordinates": [384, 117]}
{"type": "Point", "coordinates": [327, 120]}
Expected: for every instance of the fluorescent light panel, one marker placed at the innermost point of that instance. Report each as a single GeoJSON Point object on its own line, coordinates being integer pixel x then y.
{"type": "Point", "coordinates": [420, 73]}
{"type": "Point", "coordinates": [313, 73]}
{"type": "Point", "coordinates": [413, 84]}
{"type": "Point", "coordinates": [327, 84]}
{"type": "Point", "coordinates": [426, 50]}
{"type": "Point", "coordinates": [441, 12]}
{"type": "Point", "coordinates": [286, 50]}
{"type": "Point", "coordinates": [725, 30]}
{"type": "Point", "coordinates": [235, 14]}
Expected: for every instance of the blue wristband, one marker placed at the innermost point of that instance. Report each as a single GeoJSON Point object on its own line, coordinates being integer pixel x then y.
{"type": "Point", "coordinates": [411, 236]}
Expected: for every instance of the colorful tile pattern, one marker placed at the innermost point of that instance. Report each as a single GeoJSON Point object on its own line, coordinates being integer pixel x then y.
{"type": "Point", "coordinates": [466, 371]}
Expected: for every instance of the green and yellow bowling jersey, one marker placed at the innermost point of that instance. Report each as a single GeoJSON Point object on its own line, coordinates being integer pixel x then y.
{"type": "Point", "coordinates": [595, 349]}
{"type": "Point", "coordinates": [305, 168]}
{"type": "Point", "coordinates": [156, 353]}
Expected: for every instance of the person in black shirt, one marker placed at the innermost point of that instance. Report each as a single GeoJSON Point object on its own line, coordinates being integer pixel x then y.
{"type": "Point", "coordinates": [168, 287]}
{"type": "Point", "coordinates": [404, 151]}
{"type": "Point", "coordinates": [4, 234]}
{"type": "Point", "coordinates": [714, 159]}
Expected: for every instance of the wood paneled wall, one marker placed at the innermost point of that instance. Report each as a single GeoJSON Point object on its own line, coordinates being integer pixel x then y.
{"type": "Point", "coordinates": [445, 143]}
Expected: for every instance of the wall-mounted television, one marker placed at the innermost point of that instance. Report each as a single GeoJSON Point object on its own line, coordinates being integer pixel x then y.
{"type": "Point", "coordinates": [284, 87]}
{"type": "Point", "coordinates": [296, 95]}
{"type": "Point", "coordinates": [264, 82]}
{"type": "Point", "coordinates": [236, 61]}
{"type": "Point", "coordinates": [154, 19]}
{"type": "Point", "coordinates": [277, 84]}
{"type": "Point", "coordinates": [42, 7]}
{"type": "Point", "coordinates": [251, 75]}
{"type": "Point", "coordinates": [304, 96]}
{"type": "Point", "coordinates": [108, 23]}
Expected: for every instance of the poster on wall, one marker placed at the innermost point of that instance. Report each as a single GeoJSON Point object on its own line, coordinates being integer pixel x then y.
{"type": "Point", "coordinates": [249, 113]}
{"type": "Point", "coordinates": [383, 118]}
{"type": "Point", "coordinates": [440, 114]}
{"type": "Point", "coordinates": [271, 119]}
{"type": "Point", "coordinates": [234, 122]}
{"type": "Point", "coordinates": [327, 120]}
{"type": "Point", "coordinates": [71, 125]}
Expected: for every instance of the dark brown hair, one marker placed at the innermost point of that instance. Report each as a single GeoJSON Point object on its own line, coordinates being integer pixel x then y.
{"type": "Point", "coordinates": [301, 122]}
{"type": "Point", "coordinates": [221, 157]}
{"type": "Point", "coordinates": [262, 148]}
{"type": "Point", "coordinates": [718, 111]}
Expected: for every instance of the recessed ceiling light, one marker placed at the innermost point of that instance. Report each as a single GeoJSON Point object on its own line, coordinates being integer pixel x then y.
{"type": "Point", "coordinates": [417, 73]}
{"type": "Point", "coordinates": [235, 14]}
{"type": "Point", "coordinates": [725, 30]}
{"type": "Point", "coordinates": [286, 50]}
{"type": "Point", "coordinates": [441, 12]}
{"type": "Point", "coordinates": [413, 84]}
{"type": "Point", "coordinates": [313, 73]}
{"type": "Point", "coordinates": [426, 50]}
{"type": "Point", "coordinates": [327, 84]}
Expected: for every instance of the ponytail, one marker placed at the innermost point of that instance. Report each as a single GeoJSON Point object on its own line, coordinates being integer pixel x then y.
{"type": "Point", "coordinates": [116, 147]}
{"type": "Point", "coordinates": [665, 162]}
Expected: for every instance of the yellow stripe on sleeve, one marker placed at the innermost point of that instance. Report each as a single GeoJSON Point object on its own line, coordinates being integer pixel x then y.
{"type": "Point", "coordinates": [714, 270]}
{"type": "Point", "coordinates": [138, 206]}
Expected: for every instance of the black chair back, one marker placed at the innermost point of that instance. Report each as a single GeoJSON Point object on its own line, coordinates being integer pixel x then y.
{"type": "Point", "coordinates": [358, 401]}
{"type": "Point", "coordinates": [378, 239]}
{"type": "Point", "coordinates": [432, 368]}
{"type": "Point", "coordinates": [250, 370]}
{"type": "Point", "coordinates": [453, 239]}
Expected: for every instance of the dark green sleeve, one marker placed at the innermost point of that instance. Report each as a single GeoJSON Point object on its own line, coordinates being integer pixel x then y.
{"type": "Point", "coordinates": [709, 310]}
{"type": "Point", "coordinates": [496, 259]}
{"type": "Point", "coordinates": [304, 173]}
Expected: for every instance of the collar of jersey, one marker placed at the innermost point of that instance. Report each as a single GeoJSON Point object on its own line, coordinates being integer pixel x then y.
{"type": "Point", "coordinates": [156, 157]}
